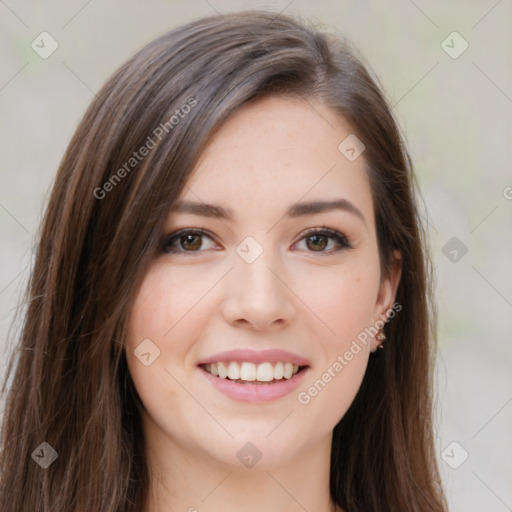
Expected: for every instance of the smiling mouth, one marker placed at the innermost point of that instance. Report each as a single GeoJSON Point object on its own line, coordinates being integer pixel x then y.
{"type": "Point", "coordinates": [251, 373]}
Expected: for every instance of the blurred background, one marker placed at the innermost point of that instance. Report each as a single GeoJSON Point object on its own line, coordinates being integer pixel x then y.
{"type": "Point", "coordinates": [446, 67]}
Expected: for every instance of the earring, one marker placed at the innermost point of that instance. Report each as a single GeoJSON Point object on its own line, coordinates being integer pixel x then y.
{"type": "Point", "coordinates": [381, 337]}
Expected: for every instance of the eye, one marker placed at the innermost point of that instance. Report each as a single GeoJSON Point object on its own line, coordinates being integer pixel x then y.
{"type": "Point", "coordinates": [317, 240]}
{"type": "Point", "coordinates": [186, 240]}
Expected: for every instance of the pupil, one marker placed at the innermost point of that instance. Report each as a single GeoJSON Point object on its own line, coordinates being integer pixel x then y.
{"type": "Point", "coordinates": [322, 244]}
{"type": "Point", "coordinates": [186, 239]}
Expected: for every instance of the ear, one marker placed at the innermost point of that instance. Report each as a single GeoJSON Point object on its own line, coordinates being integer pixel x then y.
{"type": "Point", "coordinates": [387, 293]}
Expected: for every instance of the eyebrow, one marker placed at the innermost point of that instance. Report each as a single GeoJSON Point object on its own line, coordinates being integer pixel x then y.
{"type": "Point", "coordinates": [296, 210]}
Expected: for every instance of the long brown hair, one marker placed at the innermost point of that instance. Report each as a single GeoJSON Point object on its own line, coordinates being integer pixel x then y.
{"type": "Point", "coordinates": [71, 387]}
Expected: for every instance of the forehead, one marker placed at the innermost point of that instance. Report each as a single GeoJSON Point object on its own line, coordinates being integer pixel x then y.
{"type": "Point", "coordinates": [275, 152]}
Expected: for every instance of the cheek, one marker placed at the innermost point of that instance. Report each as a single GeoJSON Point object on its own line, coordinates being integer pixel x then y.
{"type": "Point", "coordinates": [155, 325]}
{"type": "Point", "coordinates": [164, 322]}
{"type": "Point", "coordinates": [349, 306]}
{"type": "Point", "coordinates": [343, 300]}
{"type": "Point", "coordinates": [165, 305]}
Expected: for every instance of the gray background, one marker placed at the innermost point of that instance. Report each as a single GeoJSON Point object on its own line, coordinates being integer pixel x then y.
{"type": "Point", "coordinates": [456, 113]}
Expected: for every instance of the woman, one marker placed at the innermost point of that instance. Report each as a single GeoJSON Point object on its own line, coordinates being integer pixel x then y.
{"type": "Point", "coordinates": [232, 234]}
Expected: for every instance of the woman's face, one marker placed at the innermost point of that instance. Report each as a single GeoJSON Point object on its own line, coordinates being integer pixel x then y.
{"type": "Point", "coordinates": [263, 293]}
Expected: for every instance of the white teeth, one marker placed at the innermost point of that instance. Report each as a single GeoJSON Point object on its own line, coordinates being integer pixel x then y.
{"type": "Point", "coordinates": [223, 371]}
{"type": "Point", "coordinates": [233, 371]}
{"type": "Point", "coordinates": [264, 372]}
{"type": "Point", "coordinates": [248, 371]}
{"type": "Point", "coordinates": [279, 371]}
{"type": "Point", "coordinates": [288, 370]}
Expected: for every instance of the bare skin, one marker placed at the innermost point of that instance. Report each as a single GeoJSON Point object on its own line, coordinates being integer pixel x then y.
{"type": "Point", "coordinates": [309, 296]}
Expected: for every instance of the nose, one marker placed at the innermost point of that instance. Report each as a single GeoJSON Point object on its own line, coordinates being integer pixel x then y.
{"type": "Point", "coordinates": [258, 297]}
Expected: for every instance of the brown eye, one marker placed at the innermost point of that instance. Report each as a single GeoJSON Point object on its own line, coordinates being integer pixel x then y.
{"type": "Point", "coordinates": [186, 241]}
{"type": "Point", "coordinates": [317, 242]}
{"type": "Point", "coordinates": [192, 242]}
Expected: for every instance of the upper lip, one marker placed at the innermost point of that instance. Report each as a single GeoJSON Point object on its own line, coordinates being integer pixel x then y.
{"type": "Point", "coordinates": [256, 356]}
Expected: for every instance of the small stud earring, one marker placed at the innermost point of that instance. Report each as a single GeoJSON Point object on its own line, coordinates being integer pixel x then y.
{"type": "Point", "coordinates": [381, 337]}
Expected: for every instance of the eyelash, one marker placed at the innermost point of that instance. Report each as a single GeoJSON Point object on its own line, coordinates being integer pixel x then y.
{"type": "Point", "coordinates": [341, 239]}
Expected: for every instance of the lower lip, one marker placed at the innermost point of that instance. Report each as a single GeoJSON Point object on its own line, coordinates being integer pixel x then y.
{"type": "Point", "coordinates": [255, 392]}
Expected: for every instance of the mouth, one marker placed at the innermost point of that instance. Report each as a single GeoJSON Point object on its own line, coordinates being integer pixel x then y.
{"type": "Point", "coordinates": [261, 376]}
{"type": "Point", "coordinates": [246, 372]}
